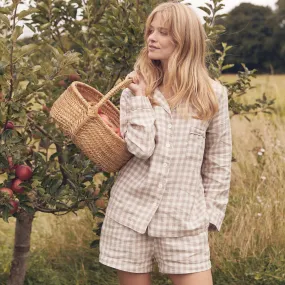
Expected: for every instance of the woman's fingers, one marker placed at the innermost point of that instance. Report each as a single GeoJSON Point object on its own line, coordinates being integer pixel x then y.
{"type": "Point", "coordinates": [131, 74]}
{"type": "Point", "coordinates": [138, 85]}
{"type": "Point", "coordinates": [134, 76]}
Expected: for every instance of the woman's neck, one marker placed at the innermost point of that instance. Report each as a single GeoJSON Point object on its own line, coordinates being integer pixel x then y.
{"type": "Point", "coordinates": [166, 93]}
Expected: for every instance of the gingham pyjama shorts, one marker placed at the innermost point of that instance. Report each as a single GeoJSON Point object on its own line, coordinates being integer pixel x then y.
{"type": "Point", "coordinates": [125, 249]}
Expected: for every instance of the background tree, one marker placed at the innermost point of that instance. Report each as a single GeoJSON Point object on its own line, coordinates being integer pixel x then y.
{"type": "Point", "coordinates": [279, 35]}
{"type": "Point", "coordinates": [250, 32]}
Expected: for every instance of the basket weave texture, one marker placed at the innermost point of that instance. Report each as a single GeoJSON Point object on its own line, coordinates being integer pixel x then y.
{"type": "Point", "coordinates": [76, 114]}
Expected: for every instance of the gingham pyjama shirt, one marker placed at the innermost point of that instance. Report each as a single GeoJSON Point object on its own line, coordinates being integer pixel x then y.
{"type": "Point", "coordinates": [177, 183]}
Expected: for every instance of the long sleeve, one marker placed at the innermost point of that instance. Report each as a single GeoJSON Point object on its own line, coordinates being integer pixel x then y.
{"type": "Point", "coordinates": [216, 167]}
{"type": "Point", "coordinates": [137, 119]}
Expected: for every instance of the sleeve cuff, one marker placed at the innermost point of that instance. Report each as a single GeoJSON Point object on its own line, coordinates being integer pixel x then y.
{"type": "Point", "coordinates": [216, 223]}
{"type": "Point", "coordinates": [139, 102]}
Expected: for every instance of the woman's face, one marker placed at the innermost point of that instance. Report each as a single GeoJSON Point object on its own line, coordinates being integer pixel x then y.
{"type": "Point", "coordinates": [160, 43]}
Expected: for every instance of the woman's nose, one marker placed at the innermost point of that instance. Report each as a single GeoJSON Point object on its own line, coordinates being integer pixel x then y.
{"type": "Point", "coordinates": [152, 37]}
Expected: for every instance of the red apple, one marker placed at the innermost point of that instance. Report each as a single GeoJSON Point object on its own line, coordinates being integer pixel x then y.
{"type": "Point", "coordinates": [11, 165]}
{"type": "Point", "coordinates": [24, 172]}
{"type": "Point", "coordinates": [106, 120]}
{"type": "Point", "coordinates": [15, 206]}
{"type": "Point", "coordinates": [7, 190]}
{"type": "Point", "coordinates": [61, 83]}
{"type": "Point", "coordinates": [10, 125]}
{"type": "Point", "coordinates": [96, 192]}
{"type": "Point", "coordinates": [117, 130]}
{"type": "Point", "coordinates": [46, 109]}
{"type": "Point", "coordinates": [36, 136]}
{"type": "Point", "coordinates": [15, 186]}
{"type": "Point", "coordinates": [74, 77]}
{"type": "Point", "coordinates": [100, 203]}
{"type": "Point", "coordinates": [10, 161]}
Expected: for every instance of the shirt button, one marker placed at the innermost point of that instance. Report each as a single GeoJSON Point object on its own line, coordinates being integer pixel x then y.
{"type": "Point", "coordinates": [168, 145]}
{"type": "Point", "coordinates": [160, 185]}
{"type": "Point", "coordinates": [165, 164]}
{"type": "Point", "coordinates": [170, 126]}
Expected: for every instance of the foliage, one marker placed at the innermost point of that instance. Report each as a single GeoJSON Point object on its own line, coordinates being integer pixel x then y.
{"type": "Point", "coordinates": [257, 34]}
{"type": "Point", "coordinates": [30, 74]}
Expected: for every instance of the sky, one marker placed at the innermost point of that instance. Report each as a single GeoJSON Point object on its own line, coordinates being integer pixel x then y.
{"type": "Point", "coordinates": [229, 5]}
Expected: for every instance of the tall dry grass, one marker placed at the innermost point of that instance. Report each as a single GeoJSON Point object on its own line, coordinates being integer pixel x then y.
{"type": "Point", "coordinates": [255, 218]}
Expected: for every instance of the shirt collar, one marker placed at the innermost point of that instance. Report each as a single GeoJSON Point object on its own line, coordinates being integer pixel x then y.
{"type": "Point", "coordinates": [159, 97]}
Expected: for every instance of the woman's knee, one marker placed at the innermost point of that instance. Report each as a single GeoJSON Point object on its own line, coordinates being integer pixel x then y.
{"type": "Point", "coordinates": [199, 278]}
{"type": "Point", "coordinates": [130, 278]}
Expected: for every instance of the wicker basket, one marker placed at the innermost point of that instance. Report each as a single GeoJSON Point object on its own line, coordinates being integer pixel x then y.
{"type": "Point", "coordinates": [76, 114]}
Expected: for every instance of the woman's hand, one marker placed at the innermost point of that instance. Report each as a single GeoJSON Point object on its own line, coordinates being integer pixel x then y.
{"type": "Point", "coordinates": [138, 86]}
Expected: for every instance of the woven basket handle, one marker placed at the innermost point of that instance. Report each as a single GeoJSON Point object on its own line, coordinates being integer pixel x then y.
{"type": "Point", "coordinates": [94, 110]}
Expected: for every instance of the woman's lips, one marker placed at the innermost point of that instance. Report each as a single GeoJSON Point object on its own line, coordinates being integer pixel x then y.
{"type": "Point", "coordinates": [152, 48]}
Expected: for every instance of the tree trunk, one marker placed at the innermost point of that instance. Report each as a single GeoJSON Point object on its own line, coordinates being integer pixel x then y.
{"type": "Point", "coordinates": [21, 248]}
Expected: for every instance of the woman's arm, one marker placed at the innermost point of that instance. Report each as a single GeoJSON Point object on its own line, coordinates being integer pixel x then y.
{"type": "Point", "coordinates": [216, 167]}
{"type": "Point", "coordinates": [137, 119]}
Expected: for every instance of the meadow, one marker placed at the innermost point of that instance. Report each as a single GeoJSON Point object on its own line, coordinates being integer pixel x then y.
{"type": "Point", "coordinates": [250, 249]}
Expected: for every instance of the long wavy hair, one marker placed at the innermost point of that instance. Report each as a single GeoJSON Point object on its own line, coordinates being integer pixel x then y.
{"type": "Point", "coordinates": [187, 77]}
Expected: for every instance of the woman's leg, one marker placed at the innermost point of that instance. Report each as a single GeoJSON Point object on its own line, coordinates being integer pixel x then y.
{"type": "Point", "coordinates": [128, 278]}
{"type": "Point", "coordinates": [200, 278]}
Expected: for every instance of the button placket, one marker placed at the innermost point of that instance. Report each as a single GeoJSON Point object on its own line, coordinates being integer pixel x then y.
{"type": "Point", "coordinates": [168, 145]}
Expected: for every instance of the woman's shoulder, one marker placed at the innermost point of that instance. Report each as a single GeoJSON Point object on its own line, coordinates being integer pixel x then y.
{"type": "Point", "coordinates": [219, 89]}
{"type": "Point", "coordinates": [216, 85]}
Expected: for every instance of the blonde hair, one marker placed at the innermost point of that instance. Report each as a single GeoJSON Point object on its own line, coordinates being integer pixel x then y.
{"type": "Point", "coordinates": [187, 77]}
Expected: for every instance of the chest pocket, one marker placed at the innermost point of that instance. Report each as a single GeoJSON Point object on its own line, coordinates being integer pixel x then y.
{"type": "Point", "coordinates": [195, 144]}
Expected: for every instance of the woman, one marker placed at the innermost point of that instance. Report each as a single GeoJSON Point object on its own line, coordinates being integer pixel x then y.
{"type": "Point", "coordinates": [175, 121]}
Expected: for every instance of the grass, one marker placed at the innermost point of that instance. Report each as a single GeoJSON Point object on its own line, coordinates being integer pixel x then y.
{"type": "Point", "coordinates": [248, 250]}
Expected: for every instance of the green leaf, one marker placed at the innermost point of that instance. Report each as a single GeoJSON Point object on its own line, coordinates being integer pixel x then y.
{"type": "Point", "coordinates": [4, 10]}
{"type": "Point", "coordinates": [44, 7]}
{"type": "Point", "coordinates": [30, 26]}
{"type": "Point", "coordinates": [227, 66]}
{"type": "Point", "coordinates": [16, 33]}
{"type": "Point", "coordinates": [25, 13]}
{"type": "Point", "coordinates": [206, 10]}
{"type": "Point", "coordinates": [5, 20]}
{"type": "Point", "coordinates": [3, 65]}
{"type": "Point", "coordinates": [210, 6]}
{"type": "Point", "coordinates": [44, 26]}
{"type": "Point", "coordinates": [100, 215]}
{"type": "Point", "coordinates": [95, 243]}
{"type": "Point", "coordinates": [53, 49]}
{"type": "Point", "coordinates": [219, 7]}
{"type": "Point", "coordinates": [5, 214]}
{"type": "Point", "coordinates": [26, 49]}
{"type": "Point", "coordinates": [28, 207]}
